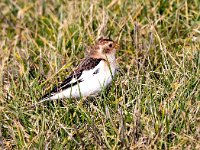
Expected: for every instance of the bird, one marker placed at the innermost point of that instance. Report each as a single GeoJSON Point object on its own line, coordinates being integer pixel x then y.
{"type": "Point", "coordinates": [92, 75]}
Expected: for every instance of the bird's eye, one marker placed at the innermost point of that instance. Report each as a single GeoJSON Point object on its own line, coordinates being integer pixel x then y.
{"type": "Point", "coordinates": [110, 45]}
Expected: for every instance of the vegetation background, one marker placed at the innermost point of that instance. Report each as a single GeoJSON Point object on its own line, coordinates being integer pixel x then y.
{"type": "Point", "coordinates": [154, 100]}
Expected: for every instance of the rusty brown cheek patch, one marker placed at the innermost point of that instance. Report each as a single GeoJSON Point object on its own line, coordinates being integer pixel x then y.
{"type": "Point", "coordinates": [107, 50]}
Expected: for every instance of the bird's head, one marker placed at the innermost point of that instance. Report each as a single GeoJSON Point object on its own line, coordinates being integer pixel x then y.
{"type": "Point", "coordinates": [104, 48]}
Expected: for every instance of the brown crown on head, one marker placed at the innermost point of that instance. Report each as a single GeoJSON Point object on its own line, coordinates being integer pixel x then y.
{"type": "Point", "coordinates": [102, 40]}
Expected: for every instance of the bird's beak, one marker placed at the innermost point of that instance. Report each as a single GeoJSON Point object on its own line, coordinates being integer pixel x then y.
{"type": "Point", "coordinates": [117, 46]}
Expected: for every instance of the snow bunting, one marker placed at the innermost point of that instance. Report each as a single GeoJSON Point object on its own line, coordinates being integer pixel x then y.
{"type": "Point", "coordinates": [94, 73]}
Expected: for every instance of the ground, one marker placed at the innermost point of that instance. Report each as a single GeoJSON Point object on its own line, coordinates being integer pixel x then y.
{"type": "Point", "coordinates": [154, 100]}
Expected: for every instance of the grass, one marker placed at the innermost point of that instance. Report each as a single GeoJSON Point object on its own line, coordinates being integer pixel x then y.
{"type": "Point", "coordinates": [154, 100]}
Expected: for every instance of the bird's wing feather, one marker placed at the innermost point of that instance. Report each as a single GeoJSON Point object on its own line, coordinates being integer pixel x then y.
{"type": "Point", "coordinates": [84, 70]}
